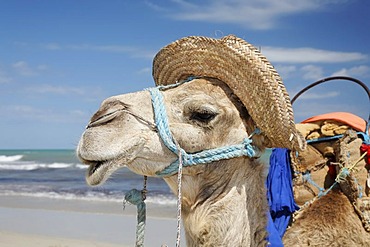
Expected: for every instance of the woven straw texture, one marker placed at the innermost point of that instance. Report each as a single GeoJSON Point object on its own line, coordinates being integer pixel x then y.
{"type": "Point", "coordinates": [245, 70]}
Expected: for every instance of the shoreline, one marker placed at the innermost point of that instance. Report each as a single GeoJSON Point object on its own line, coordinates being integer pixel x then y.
{"type": "Point", "coordinates": [48, 222]}
{"type": "Point", "coordinates": [84, 205]}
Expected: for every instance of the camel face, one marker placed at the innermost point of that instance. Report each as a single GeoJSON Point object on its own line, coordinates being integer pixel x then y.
{"type": "Point", "coordinates": [202, 114]}
{"type": "Point", "coordinates": [118, 134]}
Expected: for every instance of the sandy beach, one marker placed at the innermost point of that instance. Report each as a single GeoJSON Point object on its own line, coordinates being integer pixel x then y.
{"type": "Point", "coordinates": [27, 221]}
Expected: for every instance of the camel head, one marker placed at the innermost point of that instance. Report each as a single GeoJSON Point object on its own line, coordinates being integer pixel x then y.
{"type": "Point", "coordinates": [235, 92]}
{"type": "Point", "coordinates": [203, 114]}
{"type": "Point", "coordinates": [218, 103]}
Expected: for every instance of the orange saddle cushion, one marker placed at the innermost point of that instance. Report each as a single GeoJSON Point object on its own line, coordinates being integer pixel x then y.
{"type": "Point", "coordinates": [350, 119]}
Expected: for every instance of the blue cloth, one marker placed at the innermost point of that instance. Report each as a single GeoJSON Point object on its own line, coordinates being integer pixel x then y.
{"type": "Point", "coordinates": [280, 192]}
{"type": "Point", "coordinates": [273, 235]}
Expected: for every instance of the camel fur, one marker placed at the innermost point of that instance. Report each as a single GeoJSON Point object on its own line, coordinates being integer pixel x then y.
{"type": "Point", "coordinates": [224, 202]}
{"type": "Point", "coordinates": [340, 217]}
{"type": "Point", "coordinates": [329, 221]}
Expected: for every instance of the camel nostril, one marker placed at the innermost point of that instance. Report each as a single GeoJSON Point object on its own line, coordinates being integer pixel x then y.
{"type": "Point", "coordinates": [106, 118]}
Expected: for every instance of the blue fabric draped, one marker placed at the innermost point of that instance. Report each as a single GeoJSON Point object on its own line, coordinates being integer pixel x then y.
{"type": "Point", "coordinates": [279, 194]}
{"type": "Point", "coordinates": [273, 235]}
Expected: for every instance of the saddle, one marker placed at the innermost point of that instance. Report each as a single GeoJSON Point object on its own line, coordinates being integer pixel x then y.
{"type": "Point", "coordinates": [336, 158]}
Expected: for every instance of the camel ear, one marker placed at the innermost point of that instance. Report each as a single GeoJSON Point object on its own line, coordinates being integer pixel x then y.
{"type": "Point", "coordinates": [261, 141]}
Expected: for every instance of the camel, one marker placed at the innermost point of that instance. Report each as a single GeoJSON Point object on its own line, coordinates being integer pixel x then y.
{"type": "Point", "coordinates": [216, 93]}
{"type": "Point", "coordinates": [226, 210]}
{"type": "Point", "coordinates": [338, 213]}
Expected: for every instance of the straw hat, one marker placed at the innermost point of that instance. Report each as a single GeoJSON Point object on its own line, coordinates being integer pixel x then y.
{"type": "Point", "coordinates": [245, 70]}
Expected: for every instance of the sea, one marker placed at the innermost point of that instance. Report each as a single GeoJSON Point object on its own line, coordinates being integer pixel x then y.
{"type": "Point", "coordinates": [59, 174]}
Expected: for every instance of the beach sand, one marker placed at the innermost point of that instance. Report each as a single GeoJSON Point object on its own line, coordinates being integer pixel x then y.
{"type": "Point", "coordinates": [27, 221]}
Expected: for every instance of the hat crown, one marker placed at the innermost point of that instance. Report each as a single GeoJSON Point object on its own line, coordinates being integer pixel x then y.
{"type": "Point", "coordinates": [245, 70]}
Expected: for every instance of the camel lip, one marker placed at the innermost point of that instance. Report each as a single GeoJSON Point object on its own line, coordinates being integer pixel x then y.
{"type": "Point", "coordinates": [98, 171]}
{"type": "Point", "coordinates": [93, 167]}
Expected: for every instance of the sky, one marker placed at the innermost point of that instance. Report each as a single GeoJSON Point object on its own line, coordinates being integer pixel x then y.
{"type": "Point", "coordinates": [60, 59]}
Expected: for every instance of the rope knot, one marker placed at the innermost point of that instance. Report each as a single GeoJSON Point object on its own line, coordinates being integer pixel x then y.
{"type": "Point", "coordinates": [248, 148]}
{"type": "Point", "coordinates": [247, 142]}
{"type": "Point", "coordinates": [135, 197]}
{"type": "Point", "coordinates": [344, 172]}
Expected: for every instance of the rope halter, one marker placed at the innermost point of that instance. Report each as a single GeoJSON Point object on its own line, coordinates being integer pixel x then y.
{"type": "Point", "coordinates": [184, 159]}
{"type": "Point", "coordinates": [190, 159]}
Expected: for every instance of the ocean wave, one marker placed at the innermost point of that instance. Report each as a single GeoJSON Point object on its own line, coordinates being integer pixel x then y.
{"type": "Point", "coordinates": [11, 158]}
{"type": "Point", "coordinates": [80, 166]}
{"type": "Point", "coordinates": [55, 195]}
{"type": "Point", "coordinates": [30, 166]}
{"type": "Point", "coordinates": [161, 200]}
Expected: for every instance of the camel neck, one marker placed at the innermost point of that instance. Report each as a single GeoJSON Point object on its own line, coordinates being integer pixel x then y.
{"type": "Point", "coordinates": [224, 203]}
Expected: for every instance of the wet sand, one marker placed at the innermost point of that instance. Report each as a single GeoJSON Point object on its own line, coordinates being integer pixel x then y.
{"type": "Point", "coordinates": [32, 221]}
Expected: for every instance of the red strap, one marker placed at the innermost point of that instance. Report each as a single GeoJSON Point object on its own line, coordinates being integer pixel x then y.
{"type": "Point", "coordinates": [366, 148]}
{"type": "Point", "coordinates": [332, 171]}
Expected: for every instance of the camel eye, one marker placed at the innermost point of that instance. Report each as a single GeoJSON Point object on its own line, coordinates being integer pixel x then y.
{"type": "Point", "coordinates": [203, 116]}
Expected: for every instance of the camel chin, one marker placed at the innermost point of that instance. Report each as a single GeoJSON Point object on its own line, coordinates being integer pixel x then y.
{"type": "Point", "coordinates": [100, 165]}
{"type": "Point", "coordinates": [103, 164]}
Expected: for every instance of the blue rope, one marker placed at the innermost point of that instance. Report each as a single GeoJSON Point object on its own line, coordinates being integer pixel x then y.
{"type": "Point", "coordinates": [164, 87]}
{"type": "Point", "coordinates": [363, 135]}
{"type": "Point", "coordinates": [344, 172]}
{"type": "Point", "coordinates": [161, 120]}
{"type": "Point", "coordinates": [307, 177]}
{"type": "Point", "coordinates": [342, 176]}
{"type": "Point", "coordinates": [366, 135]}
{"type": "Point", "coordinates": [137, 198]}
{"type": "Point", "coordinates": [206, 156]}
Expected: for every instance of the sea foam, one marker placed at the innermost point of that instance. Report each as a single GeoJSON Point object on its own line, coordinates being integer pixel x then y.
{"type": "Point", "coordinates": [12, 158]}
{"type": "Point", "coordinates": [30, 166]}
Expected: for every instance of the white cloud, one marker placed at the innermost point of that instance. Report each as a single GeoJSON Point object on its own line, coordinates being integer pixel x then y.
{"type": "Point", "coordinates": [43, 114]}
{"type": "Point", "coordinates": [24, 69]}
{"type": "Point", "coordinates": [310, 55]}
{"type": "Point", "coordinates": [145, 71]}
{"type": "Point", "coordinates": [361, 70]}
{"type": "Point", "coordinates": [255, 14]}
{"type": "Point", "coordinates": [274, 54]}
{"type": "Point", "coordinates": [41, 67]}
{"type": "Point", "coordinates": [130, 50]}
{"type": "Point", "coordinates": [62, 90]}
{"type": "Point", "coordinates": [53, 46]}
{"type": "Point", "coordinates": [20, 44]}
{"type": "Point", "coordinates": [285, 71]}
{"type": "Point", "coordinates": [312, 72]}
{"type": "Point", "coordinates": [85, 93]}
{"type": "Point", "coordinates": [79, 113]}
{"type": "Point", "coordinates": [107, 48]}
{"type": "Point", "coordinates": [23, 109]}
{"type": "Point", "coordinates": [4, 78]}
{"type": "Point", "coordinates": [316, 107]}
{"type": "Point", "coordinates": [155, 6]}
{"type": "Point", "coordinates": [315, 96]}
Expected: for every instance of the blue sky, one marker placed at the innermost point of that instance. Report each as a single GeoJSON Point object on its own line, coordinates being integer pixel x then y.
{"type": "Point", "coordinates": [60, 59]}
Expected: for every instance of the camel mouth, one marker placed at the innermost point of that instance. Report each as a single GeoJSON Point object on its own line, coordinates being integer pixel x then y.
{"type": "Point", "coordinates": [94, 167]}
{"type": "Point", "coordinates": [99, 171]}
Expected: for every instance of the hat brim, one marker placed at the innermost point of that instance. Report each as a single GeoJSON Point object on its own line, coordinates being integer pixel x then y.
{"type": "Point", "coordinates": [245, 70]}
